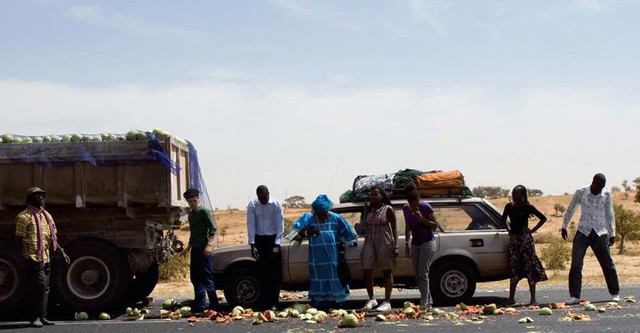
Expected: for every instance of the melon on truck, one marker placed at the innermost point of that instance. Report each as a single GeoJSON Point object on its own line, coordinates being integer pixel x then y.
{"type": "Point", "coordinates": [115, 199]}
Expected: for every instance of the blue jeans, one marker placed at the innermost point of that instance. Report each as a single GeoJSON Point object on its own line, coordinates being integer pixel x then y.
{"type": "Point", "coordinates": [600, 247]}
{"type": "Point", "coordinates": [201, 271]}
{"type": "Point", "coordinates": [421, 256]}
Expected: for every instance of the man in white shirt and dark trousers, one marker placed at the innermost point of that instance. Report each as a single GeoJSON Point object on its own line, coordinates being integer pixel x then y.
{"type": "Point", "coordinates": [265, 226]}
{"type": "Point", "coordinates": [596, 229]}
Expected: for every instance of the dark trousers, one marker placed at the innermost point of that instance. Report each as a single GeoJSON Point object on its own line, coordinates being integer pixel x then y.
{"type": "Point", "coordinates": [201, 272]}
{"type": "Point", "coordinates": [38, 283]}
{"type": "Point", "coordinates": [269, 271]}
{"type": "Point", "coordinates": [600, 247]}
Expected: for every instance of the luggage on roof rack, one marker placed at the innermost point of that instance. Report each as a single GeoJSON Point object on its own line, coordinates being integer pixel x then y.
{"type": "Point", "coordinates": [429, 184]}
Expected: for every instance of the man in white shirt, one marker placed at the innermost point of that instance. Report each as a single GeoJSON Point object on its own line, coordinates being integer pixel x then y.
{"type": "Point", "coordinates": [265, 226]}
{"type": "Point", "coordinates": [596, 229]}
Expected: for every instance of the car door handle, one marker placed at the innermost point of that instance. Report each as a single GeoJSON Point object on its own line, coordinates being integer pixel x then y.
{"type": "Point", "coordinates": [476, 242]}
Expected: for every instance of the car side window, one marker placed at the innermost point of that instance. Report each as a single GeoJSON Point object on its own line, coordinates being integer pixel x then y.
{"type": "Point", "coordinates": [463, 218]}
{"type": "Point", "coordinates": [353, 218]}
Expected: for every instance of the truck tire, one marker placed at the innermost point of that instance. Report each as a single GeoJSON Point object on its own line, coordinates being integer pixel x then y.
{"type": "Point", "coordinates": [241, 286]}
{"type": "Point", "coordinates": [145, 282]}
{"type": "Point", "coordinates": [12, 280]}
{"type": "Point", "coordinates": [97, 278]}
{"type": "Point", "coordinates": [452, 283]}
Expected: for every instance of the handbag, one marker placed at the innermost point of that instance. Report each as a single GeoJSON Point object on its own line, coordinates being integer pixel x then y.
{"type": "Point", "coordinates": [344, 272]}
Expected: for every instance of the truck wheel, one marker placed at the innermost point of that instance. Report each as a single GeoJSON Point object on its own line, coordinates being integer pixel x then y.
{"type": "Point", "coordinates": [97, 278]}
{"type": "Point", "coordinates": [452, 283]}
{"type": "Point", "coordinates": [241, 287]}
{"type": "Point", "coordinates": [12, 280]}
{"type": "Point", "coordinates": [145, 282]}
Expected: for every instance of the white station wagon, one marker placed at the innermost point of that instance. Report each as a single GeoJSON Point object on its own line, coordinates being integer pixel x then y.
{"type": "Point", "coordinates": [471, 247]}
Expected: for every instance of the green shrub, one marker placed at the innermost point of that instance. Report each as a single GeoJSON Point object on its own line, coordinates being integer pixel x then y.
{"type": "Point", "coordinates": [546, 237]}
{"type": "Point", "coordinates": [556, 255]}
{"type": "Point", "coordinates": [176, 269]}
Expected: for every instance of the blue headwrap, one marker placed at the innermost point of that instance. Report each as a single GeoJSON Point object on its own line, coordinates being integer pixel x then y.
{"type": "Point", "coordinates": [322, 204]}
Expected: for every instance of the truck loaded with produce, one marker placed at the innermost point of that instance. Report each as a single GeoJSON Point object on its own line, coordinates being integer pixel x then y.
{"type": "Point", "coordinates": [116, 199]}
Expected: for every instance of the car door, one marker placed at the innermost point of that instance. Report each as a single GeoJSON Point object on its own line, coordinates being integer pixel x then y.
{"type": "Point", "coordinates": [297, 261]}
{"type": "Point", "coordinates": [470, 231]}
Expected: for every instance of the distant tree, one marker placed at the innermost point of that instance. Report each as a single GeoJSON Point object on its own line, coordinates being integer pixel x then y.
{"type": "Point", "coordinates": [627, 224]}
{"type": "Point", "coordinates": [295, 201]}
{"type": "Point", "coordinates": [637, 182]}
{"type": "Point", "coordinates": [615, 189]}
{"type": "Point", "coordinates": [490, 192]}
{"type": "Point", "coordinates": [625, 185]}
{"type": "Point", "coordinates": [559, 208]}
{"type": "Point", "coordinates": [533, 192]}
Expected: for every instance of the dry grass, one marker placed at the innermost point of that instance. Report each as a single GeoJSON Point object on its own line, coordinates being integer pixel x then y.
{"type": "Point", "coordinates": [628, 265]}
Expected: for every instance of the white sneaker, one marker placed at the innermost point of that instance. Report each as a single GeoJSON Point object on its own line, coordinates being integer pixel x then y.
{"type": "Point", "coordinates": [615, 298]}
{"type": "Point", "coordinates": [572, 300]}
{"type": "Point", "coordinates": [384, 307]}
{"type": "Point", "coordinates": [372, 303]}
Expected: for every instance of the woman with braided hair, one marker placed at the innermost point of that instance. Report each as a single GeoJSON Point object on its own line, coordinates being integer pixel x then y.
{"type": "Point", "coordinates": [523, 261]}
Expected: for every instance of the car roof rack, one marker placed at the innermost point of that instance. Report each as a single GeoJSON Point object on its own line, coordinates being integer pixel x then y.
{"type": "Point", "coordinates": [459, 192]}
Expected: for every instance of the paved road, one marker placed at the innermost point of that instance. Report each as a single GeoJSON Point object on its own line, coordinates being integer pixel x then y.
{"type": "Point", "coordinates": [624, 319]}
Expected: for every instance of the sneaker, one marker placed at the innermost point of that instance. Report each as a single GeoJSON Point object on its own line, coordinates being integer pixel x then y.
{"type": "Point", "coordinates": [615, 298]}
{"type": "Point", "coordinates": [46, 321]}
{"type": "Point", "coordinates": [384, 307]}
{"type": "Point", "coordinates": [36, 323]}
{"type": "Point", "coordinates": [372, 303]}
{"type": "Point", "coordinates": [572, 300]}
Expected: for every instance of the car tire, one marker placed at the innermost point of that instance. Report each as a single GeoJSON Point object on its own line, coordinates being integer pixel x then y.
{"type": "Point", "coordinates": [452, 283]}
{"type": "Point", "coordinates": [97, 278]}
{"type": "Point", "coordinates": [241, 286]}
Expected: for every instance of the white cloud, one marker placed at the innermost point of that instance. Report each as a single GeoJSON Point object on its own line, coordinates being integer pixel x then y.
{"type": "Point", "coordinates": [431, 13]}
{"type": "Point", "coordinates": [341, 79]}
{"type": "Point", "coordinates": [595, 6]}
{"type": "Point", "coordinates": [300, 8]}
{"type": "Point", "coordinates": [95, 16]}
{"type": "Point", "coordinates": [292, 137]}
{"type": "Point", "coordinates": [319, 12]}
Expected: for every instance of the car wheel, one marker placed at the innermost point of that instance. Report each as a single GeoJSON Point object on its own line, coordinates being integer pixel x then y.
{"type": "Point", "coordinates": [97, 278]}
{"type": "Point", "coordinates": [12, 280]}
{"type": "Point", "coordinates": [242, 287]}
{"type": "Point", "coordinates": [452, 283]}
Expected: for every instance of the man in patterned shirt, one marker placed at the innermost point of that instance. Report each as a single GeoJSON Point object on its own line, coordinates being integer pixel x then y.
{"type": "Point", "coordinates": [596, 229]}
{"type": "Point", "coordinates": [35, 235]}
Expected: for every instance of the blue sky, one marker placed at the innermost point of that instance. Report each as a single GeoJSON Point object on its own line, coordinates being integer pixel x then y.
{"type": "Point", "coordinates": [305, 95]}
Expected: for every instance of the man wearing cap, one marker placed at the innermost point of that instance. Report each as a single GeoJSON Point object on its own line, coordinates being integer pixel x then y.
{"type": "Point", "coordinates": [35, 235]}
{"type": "Point", "coordinates": [202, 228]}
{"type": "Point", "coordinates": [265, 226]}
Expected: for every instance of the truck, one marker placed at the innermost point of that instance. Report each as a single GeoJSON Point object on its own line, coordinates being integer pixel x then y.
{"type": "Point", "coordinates": [116, 201]}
